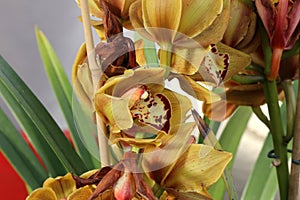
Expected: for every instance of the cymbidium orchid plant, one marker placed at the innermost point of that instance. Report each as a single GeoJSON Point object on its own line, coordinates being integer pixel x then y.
{"type": "Point", "coordinates": [136, 96]}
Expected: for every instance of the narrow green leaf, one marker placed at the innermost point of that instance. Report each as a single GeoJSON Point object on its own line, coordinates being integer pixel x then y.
{"type": "Point", "coordinates": [40, 117]}
{"type": "Point", "coordinates": [52, 163]}
{"type": "Point", "coordinates": [63, 91]}
{"type": "Point", "coordinates": [19, 154]}
{"type": "Point", "coordinates": [259, 179]}
{"type": "Point", "coordinates": [230, 140]}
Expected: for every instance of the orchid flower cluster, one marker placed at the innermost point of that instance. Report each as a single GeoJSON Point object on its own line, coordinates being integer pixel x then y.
{"type": "Point", "coordinates": [212, 49]}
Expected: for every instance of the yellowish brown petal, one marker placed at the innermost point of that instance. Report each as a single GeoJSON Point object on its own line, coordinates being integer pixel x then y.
{"type": "Point", "coordinates": [251, 33]}
{"type": "Point", "coordinates": [80, 57]}
{"type": "Point", "coordinates": [197, 169]}
{"type": "Point", "coordinates": [94, 7]}
{"type": "Point", "coordinates": [156, 160]}
{"type": "Point", "coordinates": [197, 15]}
{"type": "Point", "coordinates": [131, 78]}
{"type": "Point", "coordinates": [214, 33]}
{"type": "Point", "coordinates": [42, 193]}
{"type": "Point", "coordinates": [180, 105]}
{"type": "Point", "coordinates": [218, 111]}
{"type": "Point", "coordinates": [136, 19]}
{"type": "Point", "coordinates": [187, 61]}
{"type": "Point", "coordinates": [81, 193]}
{"type": "Point", "coordinates": [62, 186]}
{"type": "Point", "coordinates": [139, 143]}
{"type": "Point", "coordinates": [189, 195]}
{"type": "Point", "coordinates": [163, 14]}
{"type": "Point", "coordinates": [197, 90]}
{"type": "Point", "coordinates": [240, 18]}
{"type": "Point", "coordinates": [113, 111]}
{"type": "Point", "coordinates": [237, 60]}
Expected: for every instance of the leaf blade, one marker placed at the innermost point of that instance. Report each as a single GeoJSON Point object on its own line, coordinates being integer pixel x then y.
{"type": "Point", "coordinates": [63, 91]}
{"type": "Point", "coordinates": [40, 117]}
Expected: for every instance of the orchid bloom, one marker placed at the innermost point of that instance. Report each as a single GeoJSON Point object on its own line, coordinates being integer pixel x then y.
{"type": "Point", "coordinates": [184, 170]}
{"type": "Point", "coordinates": [62, 187]}
{"type": "Point", "coordinates": [138, 102]}
{"type": "Point", "coordinates": [281, 21]}
{"type": "Point", "coordinates": [190, 18]}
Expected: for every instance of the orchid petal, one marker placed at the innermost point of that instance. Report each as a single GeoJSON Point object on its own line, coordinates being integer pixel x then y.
{"type": "Point", "coordinates": [267, 13]}
{"type": "Point", "coordinates": [197, 169]}
{"type": "Point", "coordinates": [94, 7]}
{"type": "Point", "coordinates": [218, 111]}
{"type": "Point", "coordinates": [180, 105]}
{"type": "Point", "coordinates": [163, 14]}
{"type": "Point", "coordinates": [237, 60]}
{"type": "Point", "coordinates": [214, 33]}
{"type": "Point", "coordinates": [196, 90]}
{"type": "Point", "coordinates": [81, 193]}
{"type": "Point", "coordinates": [251, 33]}
{"type": "Point", "coordinates": [173, 145]}
{"type": "Point", "coordinates": [62, 186]}
{"type": "Point", "coordinates": [197, 15]}
{"type": "Point", "coordinates": [139, 143]}
{"type": "Point", "coordinates": [80, 57]}
{"type": "Point", "coordinates": [189, 195]}
{"type": "Point", "coordinates": [113, 111]}
{"type": "Point", "coordinates": [136, 19]}
{"type": "Point", "coordinates": [187, 60]}
{"type": "Point", "coordinates": [42, 193]}
{"type": "Point", "coordinates": [240, 18]}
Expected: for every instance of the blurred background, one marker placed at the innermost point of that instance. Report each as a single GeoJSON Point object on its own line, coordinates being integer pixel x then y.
{"type": "Point", "coordinates": [58, 20]}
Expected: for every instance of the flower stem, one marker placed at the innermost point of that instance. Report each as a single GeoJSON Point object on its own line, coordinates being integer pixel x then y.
{"type": "Point", "coordinates": [96, 74]}
{"type": "Point", "coordinates": [277, 131]}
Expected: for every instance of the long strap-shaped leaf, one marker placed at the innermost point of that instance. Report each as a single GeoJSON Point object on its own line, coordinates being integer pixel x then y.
{"type": "Point", "coordinates": [262, 176]}
{"type": "Point", "coordinates": [63, 91]}
{"type": "Point", "coordinates": [52, 163]}
{"type": "Point", "coordinates": [12, 84]}
{"type": "Point", "coordinates": [19, 154]}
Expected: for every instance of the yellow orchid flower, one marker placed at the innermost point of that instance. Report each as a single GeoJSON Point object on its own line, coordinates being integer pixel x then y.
{"type": "Point", "coordinates": [62, 187]}
{"type": "Point", "coordinates": [183, 169]}
{"type": "Point", "coordinates": [248, 94]}
{"type": "Point", "coordinates": [189, 18]}
{"type": "Point", "coordinates": [138, 102]}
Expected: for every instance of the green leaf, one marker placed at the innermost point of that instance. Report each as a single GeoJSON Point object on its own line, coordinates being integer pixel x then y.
{"type": "Point", "coordinates": [52, 163]}
{"type": "Point", "coordinates": [230, 140]}
{"type": "Point", "coordinates": [263, 177]}
{"type": "Point", "coordinates": [20, 155]}
{"type": "Point", "coordinates": [63, 91]}
{"type": "Point", "coordinates": [33, 116]}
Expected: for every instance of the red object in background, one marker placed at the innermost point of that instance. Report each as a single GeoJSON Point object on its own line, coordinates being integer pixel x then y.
{"type": "Point", "coordinates": [12, 186]}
